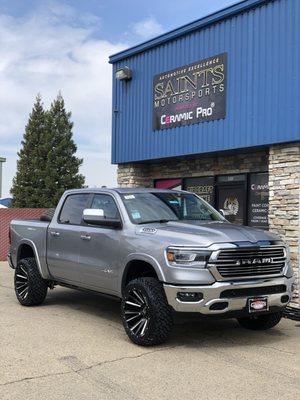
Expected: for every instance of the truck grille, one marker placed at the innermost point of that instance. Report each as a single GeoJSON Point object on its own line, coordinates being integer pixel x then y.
{"type": "Point", "coordinates": [250, 262]}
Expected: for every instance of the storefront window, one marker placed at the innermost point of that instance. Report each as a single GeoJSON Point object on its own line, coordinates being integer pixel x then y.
{"type": "Point", "coordinates": [168, 184]}
{"type": "Point", "coordinates": [258, 209]}
{"type": "Point", "coordinates": [244, 198]}
{"type": "Point", "coordinates": [203, 187]}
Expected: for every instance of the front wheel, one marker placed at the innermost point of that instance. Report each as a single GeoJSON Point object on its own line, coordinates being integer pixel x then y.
{"type": "Point", "coordinates": [30, 287]}
{"type": "Point", "coordinates": [261, 322]}
{"type": "Point", "coordinates": [146, 315]}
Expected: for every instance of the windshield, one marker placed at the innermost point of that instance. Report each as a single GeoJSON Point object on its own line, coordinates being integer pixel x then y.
{"type": "Point", "coordinates": [163, 207]}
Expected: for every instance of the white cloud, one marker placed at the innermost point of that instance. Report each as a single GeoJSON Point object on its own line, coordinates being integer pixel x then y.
{"type": "Point", "coordinates": [55, 49]}
{"type": "Point", "coordinates": [147, 28]}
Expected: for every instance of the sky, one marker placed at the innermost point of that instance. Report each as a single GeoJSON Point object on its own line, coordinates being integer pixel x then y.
{"type": "Point", "coordinates": [47, 46]}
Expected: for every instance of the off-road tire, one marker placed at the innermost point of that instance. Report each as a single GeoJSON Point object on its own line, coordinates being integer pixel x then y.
{"type": "Point", "coordinates": [27, 274]}
{"type": "Point", "coordinates": [261, 322]}
{"type": "Point", "coordinates": [158, 313]}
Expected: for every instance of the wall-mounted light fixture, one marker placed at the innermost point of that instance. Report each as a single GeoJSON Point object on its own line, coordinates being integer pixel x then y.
{"type": "Point", "coordinates": [124, 73]}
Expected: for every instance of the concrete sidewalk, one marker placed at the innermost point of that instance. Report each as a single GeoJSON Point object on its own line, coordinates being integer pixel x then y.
{"type": "Point", "coordinates": [74, 347]}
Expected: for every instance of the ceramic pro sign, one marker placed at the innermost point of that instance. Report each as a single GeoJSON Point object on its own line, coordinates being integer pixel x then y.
{"type": "Point", "coordinates": [190, 94]}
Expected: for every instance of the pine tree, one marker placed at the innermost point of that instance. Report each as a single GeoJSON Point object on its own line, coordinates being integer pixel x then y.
{"type": "Point", "coordinates": [62, 165]}
{"type": "Point", "coordinates": [47, 164]}
{"type": "Point", "coordinates": [28, 187]}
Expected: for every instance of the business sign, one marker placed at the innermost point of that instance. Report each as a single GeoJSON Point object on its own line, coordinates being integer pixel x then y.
{"type": "Point", "coordinates": [190, 94]}
{"type": "Point", "coordinates": [259, 200]}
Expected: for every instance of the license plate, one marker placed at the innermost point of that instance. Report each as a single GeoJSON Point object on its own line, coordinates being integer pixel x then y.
{"type": "Point", "coordinates": [258, 304]}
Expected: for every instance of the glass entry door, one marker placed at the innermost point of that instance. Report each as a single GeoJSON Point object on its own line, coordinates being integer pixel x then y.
{"type": "Point", "coordinates": [231, 198]}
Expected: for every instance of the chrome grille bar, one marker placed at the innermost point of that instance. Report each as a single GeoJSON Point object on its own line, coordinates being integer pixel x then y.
{"type": "Point", "coordinates": [249, 262]}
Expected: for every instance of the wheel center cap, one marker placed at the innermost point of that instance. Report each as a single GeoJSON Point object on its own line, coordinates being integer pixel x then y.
{"type": "Point", "coordinates": [144, 312]}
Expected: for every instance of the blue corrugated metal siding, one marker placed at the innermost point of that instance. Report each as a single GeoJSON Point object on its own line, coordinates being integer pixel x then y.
{"type": "Point", "coordinates": [263, 87]}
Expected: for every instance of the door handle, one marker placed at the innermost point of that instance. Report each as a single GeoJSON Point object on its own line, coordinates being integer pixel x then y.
{"type": "Point", "coordinates": [55, 234]}
{"type": "Point", "coordinates": [85, 237]}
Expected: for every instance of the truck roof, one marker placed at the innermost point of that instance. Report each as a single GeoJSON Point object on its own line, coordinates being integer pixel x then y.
{"type": "Point", "coordinates": [121, 190]}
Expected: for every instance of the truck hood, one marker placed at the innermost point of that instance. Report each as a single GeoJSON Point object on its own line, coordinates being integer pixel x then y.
{"type": "Point", "coordinates": [206, 233]}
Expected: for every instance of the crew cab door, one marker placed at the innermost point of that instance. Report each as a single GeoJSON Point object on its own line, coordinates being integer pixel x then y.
{"type": "Point", "coordinates": [100, 248]}
{"type": "Point", "coordinates": [64, 239]}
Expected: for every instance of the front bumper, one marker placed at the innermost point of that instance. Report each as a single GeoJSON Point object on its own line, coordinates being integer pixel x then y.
{"type": "Point", "coordinates": [212, 295]}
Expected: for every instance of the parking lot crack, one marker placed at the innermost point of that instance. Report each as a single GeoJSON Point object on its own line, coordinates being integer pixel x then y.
{"type": "Point", "coordinates": [279, 350]}
{"type": "Point", "coordinates": [30, 378]}
{"type": "Point", "coordinates": [85, 368]}
{"type": "Point", "coordinates": [99, 364]}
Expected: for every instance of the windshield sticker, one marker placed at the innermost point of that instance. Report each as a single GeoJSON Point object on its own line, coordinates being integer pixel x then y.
{"type": "Point", "coordinates": [129, 197]}
{"type": "Point", "coordinates": [149, 231]}
{"type": "Point", "coordinates": [135, 215]}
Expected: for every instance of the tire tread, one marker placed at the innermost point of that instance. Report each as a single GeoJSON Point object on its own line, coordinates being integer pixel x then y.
{"type": "Point", "coordinates": [162, 320]}
{"type": "Point", "coordinates": [37, 285]}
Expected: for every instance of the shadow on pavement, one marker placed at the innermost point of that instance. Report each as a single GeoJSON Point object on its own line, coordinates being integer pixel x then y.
{"type": "Point", "coordinates": [191, 330]}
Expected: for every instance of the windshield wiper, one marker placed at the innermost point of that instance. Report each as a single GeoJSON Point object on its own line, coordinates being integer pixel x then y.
{"type": "Point", "coordinates": [161, 221]}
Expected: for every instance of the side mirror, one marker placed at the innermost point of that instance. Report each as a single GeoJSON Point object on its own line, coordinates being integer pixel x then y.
{"type": "Point", "coordinates": [222, 212]}
{"type": "Point", "coordinates": [95, 216]}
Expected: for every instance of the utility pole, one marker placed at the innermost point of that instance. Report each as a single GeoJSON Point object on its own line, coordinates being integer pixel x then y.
{"type": "Point", "coordinates": [2, 160]}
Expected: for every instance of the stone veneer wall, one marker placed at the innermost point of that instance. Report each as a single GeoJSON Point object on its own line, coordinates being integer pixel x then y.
{"type": "Point", "coordinates": [282, 161]}
{"type": "Point", "coordinates": [143, 174]}
{"type": "Point", "coordinates": [284, 201]}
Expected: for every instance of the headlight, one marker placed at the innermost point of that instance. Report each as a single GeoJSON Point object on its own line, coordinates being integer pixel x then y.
{"type": "Point", "coordinates": [190, 258]}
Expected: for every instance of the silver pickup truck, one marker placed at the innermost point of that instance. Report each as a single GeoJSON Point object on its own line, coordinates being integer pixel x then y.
{"type": "Point", "coordinates": [160, 251]}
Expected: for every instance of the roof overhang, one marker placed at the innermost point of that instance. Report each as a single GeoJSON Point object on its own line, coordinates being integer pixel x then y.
{"type": "Point", "coordinates": [198, 24]}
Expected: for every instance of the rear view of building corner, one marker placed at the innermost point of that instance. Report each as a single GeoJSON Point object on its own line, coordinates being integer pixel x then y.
{"type": "Point", "coordinates": [213, 108]}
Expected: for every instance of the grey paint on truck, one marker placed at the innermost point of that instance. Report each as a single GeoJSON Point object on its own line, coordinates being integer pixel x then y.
{"type": "Point", "coordinates": [99, 263]}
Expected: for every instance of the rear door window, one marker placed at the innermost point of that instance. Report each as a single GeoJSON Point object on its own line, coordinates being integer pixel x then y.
{"type": "Point", "coordinates": [72, 209]}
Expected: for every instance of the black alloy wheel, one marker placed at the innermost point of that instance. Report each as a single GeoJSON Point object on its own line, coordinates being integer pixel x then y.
{"type": "Point", "coordinates": [146, 315]}
{"type": "Point", "coordinates": [21, 283]}
{"type": "Point", "coordinates": [136, 312]}
{"type": "Point", "coordinates": [31, 289]}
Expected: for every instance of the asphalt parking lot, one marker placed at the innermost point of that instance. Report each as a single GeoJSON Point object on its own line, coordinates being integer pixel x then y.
{"type": "Point", "coordinates": [74, 347]}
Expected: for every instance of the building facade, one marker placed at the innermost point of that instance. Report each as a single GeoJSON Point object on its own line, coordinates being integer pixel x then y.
{"type": "Point", "coordinates": [212, 107]}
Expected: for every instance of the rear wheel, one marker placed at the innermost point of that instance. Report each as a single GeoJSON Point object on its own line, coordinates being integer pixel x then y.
{"type": "Point", "coordinates": [146, 315]}
{"type": "Point", "coordinates": [30, 287]}
{"type": "Point", "coordinates": [261, 322]}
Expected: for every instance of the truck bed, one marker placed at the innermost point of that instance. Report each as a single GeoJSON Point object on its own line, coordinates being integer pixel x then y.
{"type": "Point", "coordinates": [33, 233]}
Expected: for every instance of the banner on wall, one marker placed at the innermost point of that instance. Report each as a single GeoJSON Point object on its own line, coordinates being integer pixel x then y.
{"type": "Point", "coordinates": [190, 94]}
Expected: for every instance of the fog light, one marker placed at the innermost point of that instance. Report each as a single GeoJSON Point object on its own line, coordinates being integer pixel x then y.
{"type": "Point", "coordinates": [285, 298]}
{"type": "Point", "coordinates": [189, 297]}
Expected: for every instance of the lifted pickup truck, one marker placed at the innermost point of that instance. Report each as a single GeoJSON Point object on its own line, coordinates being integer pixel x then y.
{"type": "Point", "coordinates": [160, 251]}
